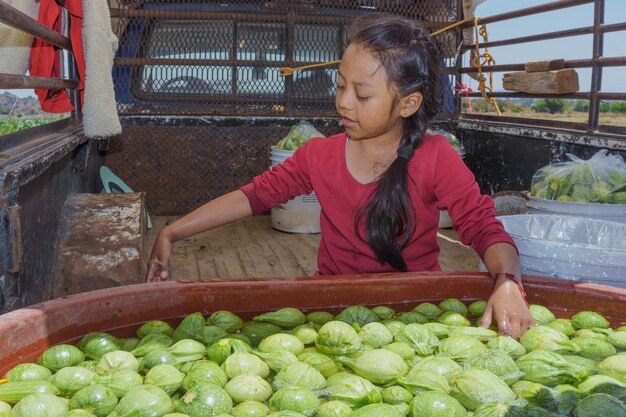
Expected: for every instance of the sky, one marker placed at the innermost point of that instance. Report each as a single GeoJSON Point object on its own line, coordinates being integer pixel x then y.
{"type": "Point", "coordinates": [579, 47]}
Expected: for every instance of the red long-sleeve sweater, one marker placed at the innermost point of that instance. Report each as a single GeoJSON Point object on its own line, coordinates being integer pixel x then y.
{"type": "Point", "coordinates": [438, 178]}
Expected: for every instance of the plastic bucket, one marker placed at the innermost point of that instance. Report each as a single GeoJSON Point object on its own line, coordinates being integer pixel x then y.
{"type": "Point", "coordinates": [300, 214]}
{"type": "Point", "coordinates": [608, 212]}
{"type": "Point", "coordinates": [570, 247]}
{"type": "Point", "coordinates": [445, 222]}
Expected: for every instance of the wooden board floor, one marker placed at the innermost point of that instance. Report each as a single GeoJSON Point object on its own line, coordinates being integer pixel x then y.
{"type": "Point", "coordinates": [251, 248]}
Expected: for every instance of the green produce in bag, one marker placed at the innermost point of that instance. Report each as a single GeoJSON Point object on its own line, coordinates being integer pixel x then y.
{"type": "Point", "coordinates": [377, 410]}
{"type": "Point", "coordinates": [436, 404]}
{"type": "Point", "coordinates": [40, 405]}
{"type": "Point", "coordinates": [600, 179]}
{"type": "Point", "coordinates": [298, 135]}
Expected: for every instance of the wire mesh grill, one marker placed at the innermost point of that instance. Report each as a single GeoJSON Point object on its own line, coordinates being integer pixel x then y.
{"type": "Point", "coordinates": [223, 58]}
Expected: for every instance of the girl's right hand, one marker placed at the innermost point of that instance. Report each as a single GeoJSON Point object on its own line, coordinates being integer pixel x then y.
{"type": "Point", "coordinates": [159, 259]}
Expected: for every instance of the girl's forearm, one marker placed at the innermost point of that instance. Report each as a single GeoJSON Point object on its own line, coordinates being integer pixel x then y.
{"type": "Point", "coordinates": [222, 210]}
{"type": "Point", "coordinates": [502, 257]}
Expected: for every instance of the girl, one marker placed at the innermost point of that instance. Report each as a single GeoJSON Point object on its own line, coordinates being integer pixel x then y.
{"type": "Point", "coordinates": [381, 182]}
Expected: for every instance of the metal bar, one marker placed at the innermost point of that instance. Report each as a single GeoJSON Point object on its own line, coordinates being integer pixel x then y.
{"type": "Point", "coordinates": [18, 20]}
{"type": "Point", "coordinates": [458, 63]}
{"type": "Point", "coordinates": [617, 61]}
{"type": "Point", "coordinates": [534, 38]}
{"type": "Point", "coordinates": [549, 7]}
{"type": "Point", "coordinates": [124, 61]}
{"type": "Point", "coordinates": [596, 70]}
{"type": "Point", "coordinates": [579, 95]}
{"type": "Point", "coordinates": [13, 81]}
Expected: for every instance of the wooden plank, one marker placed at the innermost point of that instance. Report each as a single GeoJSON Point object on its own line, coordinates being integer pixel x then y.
{"type": "Point", "coordinates": [548, 82]}
{"type": "Point", "coordinates": [101, 243]}
{"type": "Point", "coordinates": [540, 66]}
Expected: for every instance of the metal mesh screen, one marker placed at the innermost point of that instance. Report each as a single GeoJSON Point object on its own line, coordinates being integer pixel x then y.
{"type": "Point", "coordinates": [223, 58]}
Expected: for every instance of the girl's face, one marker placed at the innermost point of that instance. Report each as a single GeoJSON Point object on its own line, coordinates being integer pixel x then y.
{"type": "Point", "coordinates": [364, 97]}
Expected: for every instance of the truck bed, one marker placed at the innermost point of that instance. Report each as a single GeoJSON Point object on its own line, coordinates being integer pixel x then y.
{"type": "Point", "coordinates": [251, 248]}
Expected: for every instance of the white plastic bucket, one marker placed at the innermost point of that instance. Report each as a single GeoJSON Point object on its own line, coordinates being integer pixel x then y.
{"type": "Point", "coordinates": [445, 222]}
{"type": "Point", "coordinates": [608, 212]}
{"type": "Point", "coordinates": [570, 247]}
{"type": "Point", "coordinates": [300, 214]}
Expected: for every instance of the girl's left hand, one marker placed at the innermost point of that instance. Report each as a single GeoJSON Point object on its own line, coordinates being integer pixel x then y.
{"type": "Point", "coordinates": [509, 308]}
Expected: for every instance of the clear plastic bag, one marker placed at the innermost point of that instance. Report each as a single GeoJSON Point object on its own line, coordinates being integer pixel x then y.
{"type": "Point", "coordinates": [600, 179]}
{"type": "Point", "coordinates": [298, 135]}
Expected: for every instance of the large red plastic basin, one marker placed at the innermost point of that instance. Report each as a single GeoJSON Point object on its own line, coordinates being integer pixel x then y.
{"type": "Point", "coordinates": [25, 333]}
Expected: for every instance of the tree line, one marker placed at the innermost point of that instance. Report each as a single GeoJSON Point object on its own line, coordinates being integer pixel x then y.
{"type": "Point", "coordinates": [546, 105]}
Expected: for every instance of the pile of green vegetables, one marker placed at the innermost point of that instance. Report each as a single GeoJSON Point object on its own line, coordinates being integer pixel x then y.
{"type": "Point", "coordinates": [298, 135]}
{"type": "Point", "coordinates": [431, 361]}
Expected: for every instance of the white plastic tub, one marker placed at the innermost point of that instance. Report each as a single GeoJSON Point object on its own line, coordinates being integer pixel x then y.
{"type": "Point", "coordinates": [570, 247]}
{"type": "Point", "coordinates": [608, 212]}
{"type": "Point", "coordinates": [300, 214]}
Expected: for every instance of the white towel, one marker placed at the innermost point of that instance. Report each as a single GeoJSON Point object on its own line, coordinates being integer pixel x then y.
{"type": "Point", "coordinates": [15, 44]}
{"type": "Point", "coordinates": [100, 118]}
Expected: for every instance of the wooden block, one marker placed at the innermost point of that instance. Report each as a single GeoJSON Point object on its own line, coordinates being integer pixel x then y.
{"type": "Point", "coordinates": [540, 66]}
{"type": "Point", "coordinates": [101, 243]}
{"type": "Point", "coordinates": [549, 82]}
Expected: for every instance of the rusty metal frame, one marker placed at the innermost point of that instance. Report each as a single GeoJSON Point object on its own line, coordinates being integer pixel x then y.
{"type": "Point", "coordinates": [597, 62]}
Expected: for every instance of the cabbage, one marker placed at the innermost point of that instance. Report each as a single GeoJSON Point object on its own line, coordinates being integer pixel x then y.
{"type": "Point", "coordinates": [595, 333]}
{"type": "Point", "coordinates": [507, 344]}
{"type": "Point", "coordinates": [250, 409]}
{"type": "Point", "coordinates": [157, 357]}
{"type": "Point", "coordinates": [113, 361]}
{"type": "Point", "coordinates": [376, 335]}
{"type": "Point", "coordinates": [614, 366]}
{"type": "Point", "coordinates": [562, 325]}
{"type": "Point", "coordinates": [205, 400]}
{"type": "Point", "coordinates": [498, 362]}
{"type": "Point", "coordinates": [422, 340]}
{"type": "Point", "coordinates": [306, 333]}
{"type": "Point", "coordinates": [71, 379]}
{"type": "Point", "coordinates": [28, 372]}
{"type": "Point", "coordinates": [474, 386]}
{"type": "Point", "coordinates": [393, 325]}
{"type": "Point", "coordinates": [383, 312]}
{"type": "Point", "coordinates": [248, 388]}
{"type": "Point", "coordinates": [96, 399]}
{"type": "Point", "coordinates": [617, 339]}
{"type": "Point", "coordinates": [5, 409]}
{"type": "Point", "coordinates": [96, 344]}
{"type": "Point", "coordinates": [40, 405]}
{"type": "Point", "coordinates": [436, 404]}
{"type": "Point", "coordinates": [417, 381]}
{"type": "Point", "coordinates": [154, 327]}
{"type": "Point", "coordinates": [541, 315]}
{"type": "Point", "coordinates": [257, 331]}
{"type": "Point", "coordinates": [152, 343]}
{"type": "Point", "coordinates": [589, 320]}
{"type": "Point", "coordinates": [319, 317]}
{"type": "Point", "coordinates": [60, 356]}
{"type": "Point", "coordinates": [325, 365]}
{"type": "Point", "coordinates": [226, 320]}
{"type": "Point", "coordinates": [353, 390]}
{"type": "Point", "coordinates": [439, 329]}
{"type": "Point", "coordinates": [548, 339]}
{"type": "Point", "coordinates": [441, 365]}
{"type": "Point", "coordinates": [277, 360]}
{"type": "Point", "coordinates": [550, 368]}
{"type": "Point", "coordinates": [477, 308]}
{"type": "Point", "coordinates": [453, 319]}
{"type": "Point", "coordinates": [412, 317]}
{"type": "Point", "coordinates": [334, 409]}
{"type": "Point", "coordinates": [537, 394]}
{"type": "Point", "coordinates": [222, 349]}
{"type": "Point", "coordinates": [165, 377]}
{"type": "Point", "coordinates": [430, 310]}
{"type": "Point", "coordinates": [402, 349]}
{"type": "Point", "coordinates": [599, 405]}
{"type": "Point", "coordinates": [187, 350]}
{"type": "Point", "coordinates": [204, 372]}
{"type": "Point", "coordinates": [120, 382]}
{"type": "Point", "coordinates": [379, 366]}
{"type": "Point", "coordinates": [285, 317]}
{"type": "Point", "coordinates": [143, 400]}
{"type": "Point", "coordinates": [245, 363]}
{"type": "Point", "coordinates": [454, 305]}
{"type": "Point", "coordinates": [461, 347]}
{"type": "Point", "coordinates": [337, 338]}
{"type": "Point", "coordinates": [295, 399]}
{"type": "Point", "coordinates": [396, 394]}
{"type": "Point", "coordinates": [594, 348]}
{"type": "Point", "coordinates": [299, 374]}
{"type": "Point", "coordinates": [495, 409]}
{"type": "Point", "coordinates": [212, 334]}
{"type": "Point", "coordinates": [377, 410]}
{"type": "Point", "coordinates": [129, 343]}
{"type": "Point", "coordinates": [281, 341]}
{"type": "Point", "coordinates": [357, 314]}
{"type": "Point", "coordinates": [587, 364]}
{"type": "Point", "coordinates": [190, 327]}
{"type": "Point", "coordinates": [605, 384]}
{"type": "Point", "coordinates": [12, 392]}
{"type": "Point", "coordinates": [484, 335]}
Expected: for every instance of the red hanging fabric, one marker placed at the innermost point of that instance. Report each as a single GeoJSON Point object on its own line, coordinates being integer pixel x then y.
{"type": "Point", "coordinates": [45, 58]}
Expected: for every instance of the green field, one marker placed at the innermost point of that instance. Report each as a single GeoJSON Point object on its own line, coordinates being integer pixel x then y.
{"type": "Point", "coordinates": [12, 124]}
